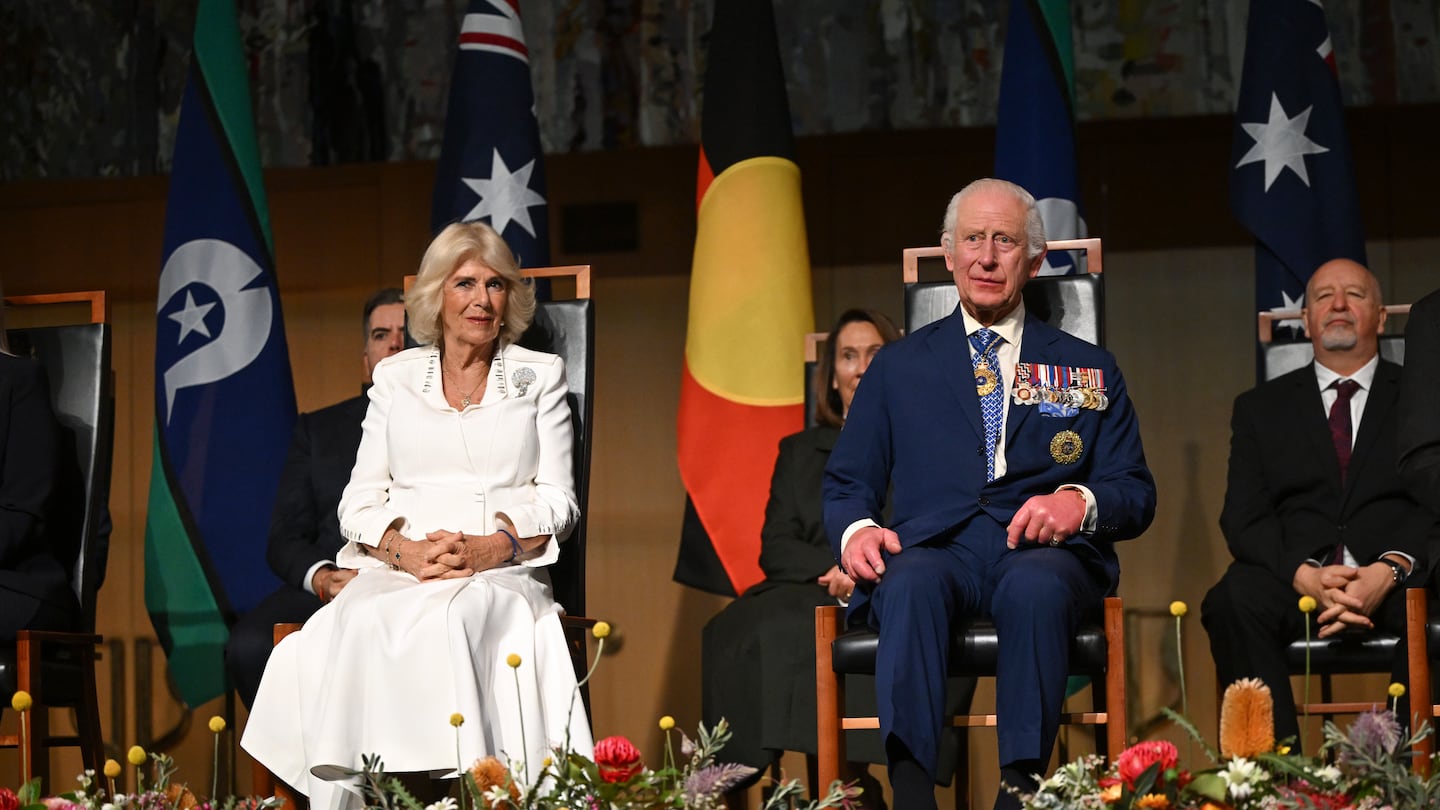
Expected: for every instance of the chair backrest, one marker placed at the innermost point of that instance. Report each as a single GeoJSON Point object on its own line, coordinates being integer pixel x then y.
{"type": "Point", "coordinates": [567, 328]}
{"type": "Point", "coordinates": [814, 344]}
{"type": "Point", "coordinates": [1073, 303]}
{"type": "Point", "coordinates": [77, 362]}
{"type": "Point", "coordinates": [1279, 357]}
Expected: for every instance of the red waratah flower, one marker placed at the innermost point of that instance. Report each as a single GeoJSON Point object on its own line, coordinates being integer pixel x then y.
{"type": "Point", "coordinates": [617, 757]}
{"type": "Point", "coordinates": [1139, 757]}
{"type": "Point", "coordinates": [8, 799]}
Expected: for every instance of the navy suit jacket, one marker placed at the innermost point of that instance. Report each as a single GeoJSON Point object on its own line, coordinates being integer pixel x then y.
{"type": "Point", "coordinates": [304, 527]}
{"type": "Point", "coordinates": [915, 427]}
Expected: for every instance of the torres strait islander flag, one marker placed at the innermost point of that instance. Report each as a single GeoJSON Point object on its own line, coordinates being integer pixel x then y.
{"type": "Point", "coordinates": [1292, 183]}
{"type": "Point", "coordinates": [224, 399]}
{"type": "Point", "coordinates": [491, 166]}
{"type": "Point", "coordinates": [750, 303]}
{"type": "Point", "coordinates": [1035, 125]}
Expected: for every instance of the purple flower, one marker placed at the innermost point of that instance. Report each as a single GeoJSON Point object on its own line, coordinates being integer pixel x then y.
{"type": "Point", "coordinates": [714, 780]}
{"type": "Point", "coordinates": [1373, 735]}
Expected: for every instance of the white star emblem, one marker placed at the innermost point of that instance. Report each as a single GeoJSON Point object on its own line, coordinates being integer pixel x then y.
{"type": "Point", "coordinates": [1281, 143]}
{"type": "Point", "coordinates": [192, 317]}
{"type": "Point", "coordinates": [1289, 305]}
{"type": "Point", "coordinates": [505, 197]}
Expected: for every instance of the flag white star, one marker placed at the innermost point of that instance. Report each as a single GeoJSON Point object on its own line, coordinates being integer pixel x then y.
{"type": "Point", "coordinates": [505, 196]}
{"type": "Point", "coordinates": [1281, 143]}
{"type": "Point", "coordinates": [1289, 305]}
{"type": "Point", "coordinates": [192, 317]}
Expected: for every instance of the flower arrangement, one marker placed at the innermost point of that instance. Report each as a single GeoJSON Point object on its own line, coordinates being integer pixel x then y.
{"type": "Point", "coordinates": [162, 793]}
{"type": "Point", "coordinates": [616, 778]}
{"type": "Point", "coordinates": [1364, 767]}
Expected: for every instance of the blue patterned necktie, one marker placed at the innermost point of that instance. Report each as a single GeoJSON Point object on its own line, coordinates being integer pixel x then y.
{"type": "Point", "coordinates": [990, 386]}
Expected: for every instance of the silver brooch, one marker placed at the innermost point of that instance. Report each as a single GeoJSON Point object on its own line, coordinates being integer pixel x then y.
{"type": "Point", "coordinates": [522, 379]}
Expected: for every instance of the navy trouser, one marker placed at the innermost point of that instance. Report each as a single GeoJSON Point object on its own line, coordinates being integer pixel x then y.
{"type": "Point", "coordinates": [1037, 596]}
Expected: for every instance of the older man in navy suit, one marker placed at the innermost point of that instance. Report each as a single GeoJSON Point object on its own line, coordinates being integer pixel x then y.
{"type": "Point", "coordinates": [1014, 461]}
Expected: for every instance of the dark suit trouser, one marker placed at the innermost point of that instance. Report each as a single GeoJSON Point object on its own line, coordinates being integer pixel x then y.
{"type": "Point", "coordinates": [1037, 596]}
{"type": "Point", "coordinates": [253, 637]}
{"type": "Point", "coordinates": [1252, 616]}
{"type": "Point", "coordinates": [21, 611]}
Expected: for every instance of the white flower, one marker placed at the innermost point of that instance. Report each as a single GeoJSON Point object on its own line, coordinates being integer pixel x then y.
{"type": "Point", "coordinates": [446, 803]}
{"type": "Point", "coordinates": [1329, 773]}
{"type": "Point", "coordinates": [497, 793]}
{"type": "Point", "coordinates": [1241, 775]}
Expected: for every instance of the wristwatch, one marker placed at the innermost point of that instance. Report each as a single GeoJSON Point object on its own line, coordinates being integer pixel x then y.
{"type": "Point", "coordinates": [1400, 573]}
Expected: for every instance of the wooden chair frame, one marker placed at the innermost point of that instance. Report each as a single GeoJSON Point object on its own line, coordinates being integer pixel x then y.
{"type": "Point", "coordinates": [1266, 321]}
{"type": "Point", "coordinates": [831, 721]}
{"type": "Point", "coordinates": [1094, 256]}
{"type": "Point", "coordinates": [78, 649]}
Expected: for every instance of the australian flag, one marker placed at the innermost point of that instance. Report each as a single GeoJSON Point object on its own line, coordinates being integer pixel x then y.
{"type": "Point", "coordinates": [1035, 124]}
{"type": "Point", "coordinates": [491, 167]}
{"type": "Point", "coordinates": [1293, 184]}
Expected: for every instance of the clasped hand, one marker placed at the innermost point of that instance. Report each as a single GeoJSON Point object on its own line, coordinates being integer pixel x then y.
{"type": "Point", "coordinates": [1050, 519]}
{"type": "Point", "coordinates": [1347, 596]}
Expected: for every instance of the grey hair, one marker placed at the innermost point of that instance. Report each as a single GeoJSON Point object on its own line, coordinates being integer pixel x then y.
{"type": "Point", "coordinates": [452, 247]}
{"type": "Point", "coordinates": [1034, 225]}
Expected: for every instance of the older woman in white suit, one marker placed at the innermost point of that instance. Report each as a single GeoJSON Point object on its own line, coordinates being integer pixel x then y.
{"type": "Point", "coordinates": [461, 494]}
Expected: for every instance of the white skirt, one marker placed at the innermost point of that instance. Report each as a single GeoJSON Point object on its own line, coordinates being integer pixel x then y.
{"type": "Point", "coordinates": [381, 669]}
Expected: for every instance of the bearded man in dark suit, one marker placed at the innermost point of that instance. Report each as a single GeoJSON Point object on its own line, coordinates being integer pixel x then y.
{"type": "Point", "coordinates": [1314, 505]}
{"type": "Point", "coordinates": [1016, 464]}
{"type": "Point", "coordinates": [304, 528]}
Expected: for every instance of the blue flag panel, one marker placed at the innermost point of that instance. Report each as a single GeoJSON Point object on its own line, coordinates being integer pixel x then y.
{"type": "Point", "coordinates": [491, 167]}
{"type": "Point", "coordinates": [1293, 184]}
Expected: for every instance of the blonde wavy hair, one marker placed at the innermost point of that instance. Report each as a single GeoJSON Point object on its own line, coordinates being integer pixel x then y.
{"type": "Point", "coordinates": [459, 243]}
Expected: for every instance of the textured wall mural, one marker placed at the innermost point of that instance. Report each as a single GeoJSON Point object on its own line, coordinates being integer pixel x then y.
{"type": "Point", "coordinates": [91, 89]}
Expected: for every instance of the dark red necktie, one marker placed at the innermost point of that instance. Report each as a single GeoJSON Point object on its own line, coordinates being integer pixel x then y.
{"type": "Point", "coordinates": [1340, 429]}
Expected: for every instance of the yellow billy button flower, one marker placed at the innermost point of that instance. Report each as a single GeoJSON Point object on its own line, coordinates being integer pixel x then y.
{"type": "Point", "coordinates": [600, 630]}
{"type": "Point", "coordinates": [112, 768]}
{"type": "Point", "coordinates": [1307, 604]}
{"type": "Point", "coordinates": [22, 701]}
{"type": "Point", "coordinates": [666, 723]}
{"type": "Point", "coordinates": [136, 755]}
{"type": "Point", "coordinates": [513, 660]}
{"type": "Point", "coordinates": [217, 724]}
{"type": "Point", "coordinates": [457, 719]}
{"type": "Point", "coordinates": [1282, 750]}
{"type": "Point", "coordinates": [546, 762]}
{"type": "Point", "coordinates": [1178, 608]}
{"type": "Point", "coordinates": [1396, 690]}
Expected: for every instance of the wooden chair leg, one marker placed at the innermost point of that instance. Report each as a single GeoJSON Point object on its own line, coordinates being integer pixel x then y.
{"type": "Point", "coordinates": [1422, 710]}
{"type": "Point", "coordinates": [35, 753]}
{"type": "Point", "coordinates": [829, 698]}
{"type": "Point", "coordinates": [87, 714]}
{"type": "Point", "coordinates": [1116, 729]}
{"type": "Point", "coordinates": [262, 782]}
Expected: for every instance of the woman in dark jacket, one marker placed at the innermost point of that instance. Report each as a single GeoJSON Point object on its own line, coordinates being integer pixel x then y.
{"type": "Point", "coordinates": [759, 652]}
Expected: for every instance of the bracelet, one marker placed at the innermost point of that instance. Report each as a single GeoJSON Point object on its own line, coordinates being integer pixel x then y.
{"type": "Point", "coordinates": [514, 545]}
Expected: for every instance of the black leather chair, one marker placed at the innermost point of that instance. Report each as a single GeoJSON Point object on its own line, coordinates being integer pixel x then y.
{"type": "Point", "coordinates": [1365, 653]}
{"type": "Point", "coordinates": [1076, 305]}
{"type": "Point", "coordinates": [567, 328]}
{"type": "Point", "coordinates": [58, 669]}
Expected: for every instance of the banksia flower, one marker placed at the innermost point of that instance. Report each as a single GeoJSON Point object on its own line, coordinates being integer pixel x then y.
{"type": "Point", "coordinates": [1247, 720]}
{"type": "Point", "coordinates": [490, 773]}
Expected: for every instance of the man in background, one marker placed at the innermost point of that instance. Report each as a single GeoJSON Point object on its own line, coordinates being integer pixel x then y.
{"type": "Point", "coordinates": [1314, 505]}
{"type": "Point", "coordinates": [1420, 402]}
{"type": "Point", "coordinates": [304, 528]}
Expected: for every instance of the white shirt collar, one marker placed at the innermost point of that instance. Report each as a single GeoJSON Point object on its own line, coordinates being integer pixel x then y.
{"type": "Point", "coordinates": [1325, 377]}
{"type": "Point", "coordinates": [1010, 327]}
